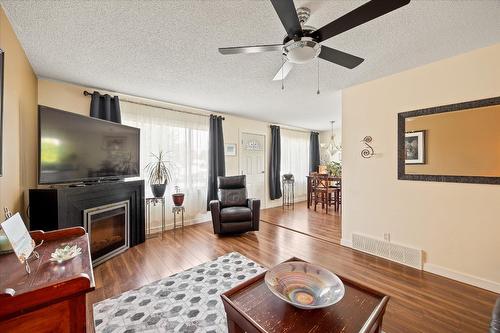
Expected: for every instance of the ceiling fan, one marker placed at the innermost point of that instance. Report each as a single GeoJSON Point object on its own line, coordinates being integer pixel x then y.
{"type": "Point", "coordinates": [302, 42]}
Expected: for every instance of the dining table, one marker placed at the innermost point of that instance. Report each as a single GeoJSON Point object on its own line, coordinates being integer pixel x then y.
{"type": "Point", "coordinates": [331, 179]}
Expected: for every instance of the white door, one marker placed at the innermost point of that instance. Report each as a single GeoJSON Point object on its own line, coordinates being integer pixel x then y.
{"type": "Point", "coordinates": [252, 153]}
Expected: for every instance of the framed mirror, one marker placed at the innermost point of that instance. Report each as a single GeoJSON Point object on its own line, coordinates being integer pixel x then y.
{"type": "Point", "coordinates": [451, 143]}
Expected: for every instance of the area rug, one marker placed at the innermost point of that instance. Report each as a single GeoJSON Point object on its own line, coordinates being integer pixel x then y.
{"type": "Point", "coordinates": [185, 302]}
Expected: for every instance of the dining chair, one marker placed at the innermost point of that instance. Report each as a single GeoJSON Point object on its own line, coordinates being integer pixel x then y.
{"type": "Point", "coordinates": [336, 196]}
{"type": "Point", "coordinates": [321, 191]}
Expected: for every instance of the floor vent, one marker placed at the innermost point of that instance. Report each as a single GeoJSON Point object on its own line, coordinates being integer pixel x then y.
{"type": "Point", "coordinates": [399, 253]}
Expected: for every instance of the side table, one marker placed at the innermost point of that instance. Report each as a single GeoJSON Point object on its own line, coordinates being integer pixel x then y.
{"type": "Point", "coordinates": [176, 210]}
{"type": "Point", "coordinates": [52, 297]}
{"type": "Point", "coordinates": [152, 202]}
{"type": "Point", "coordinates": [252, 308]}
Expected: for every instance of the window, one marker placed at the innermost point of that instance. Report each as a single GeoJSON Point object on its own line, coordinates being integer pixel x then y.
{"type": "Point", "coordinates": [184, 139]}
{"type": "Point", "coordinates": [295, 159]}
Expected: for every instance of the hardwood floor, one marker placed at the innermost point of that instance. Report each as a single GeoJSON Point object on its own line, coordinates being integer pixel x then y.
{"type": "Point", "coordinates": [307, 221]}
{"type": "Point", "coordinates": [420, 301]}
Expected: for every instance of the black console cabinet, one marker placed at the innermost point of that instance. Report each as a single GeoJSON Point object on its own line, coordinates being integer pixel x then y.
{"type": "Point", "coordinates": [62, 207]}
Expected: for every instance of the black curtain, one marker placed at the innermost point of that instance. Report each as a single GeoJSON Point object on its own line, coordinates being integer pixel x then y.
{"type": "Point", "coordinates": [216, 164]}
{"type": "Point", "coordinates": [314, 152]}
{"type": "Point", "coordinates": [105, 107]}
{"type": "Point", "coordinates": [275, 163]}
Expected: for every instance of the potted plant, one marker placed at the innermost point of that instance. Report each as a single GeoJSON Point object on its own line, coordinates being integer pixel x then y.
{"type": "Point", "coordinates": [159, 174]}
{"type": "Point", "coordinates": [334, 169]}
{"type": "Point", "coordinates": [178, 197]}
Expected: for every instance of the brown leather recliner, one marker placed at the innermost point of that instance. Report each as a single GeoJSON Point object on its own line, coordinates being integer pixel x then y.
{"type": "Point", "coordinates": [234, 213]}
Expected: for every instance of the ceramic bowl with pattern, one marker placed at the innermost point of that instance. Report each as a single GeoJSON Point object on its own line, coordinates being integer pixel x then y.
{"type": "Point", "coordinates": [304, 285]}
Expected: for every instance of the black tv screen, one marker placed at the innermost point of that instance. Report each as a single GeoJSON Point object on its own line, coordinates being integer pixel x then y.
{"type": "Point", "coordinates": [75, 148]}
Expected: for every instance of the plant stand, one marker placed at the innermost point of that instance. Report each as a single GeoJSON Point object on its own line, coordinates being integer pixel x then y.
{"type": "Point", "coordinates": [152, 202]}
{"type": "Point", "coordinates": [178, 210]}
{"type": "Point", "coordinates": [288, 186]}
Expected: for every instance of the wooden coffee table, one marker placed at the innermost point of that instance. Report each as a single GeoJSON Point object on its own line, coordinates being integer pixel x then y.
{"type": "Point", "coordinates": [252, 307]}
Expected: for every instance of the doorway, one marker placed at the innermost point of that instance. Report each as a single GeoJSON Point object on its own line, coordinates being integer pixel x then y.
{"type": "Point", "coordinates": [252, 164]}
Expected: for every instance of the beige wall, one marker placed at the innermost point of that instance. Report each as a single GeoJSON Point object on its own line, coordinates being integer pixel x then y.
{"type": "Point", "coordinates": [457, 225]}
{"type": "Point", "coordinates": [19, 123]}
{"type": "Point", "coordinates": [462, 143]}
{"type": "Point", "coordinates": [69, 97]}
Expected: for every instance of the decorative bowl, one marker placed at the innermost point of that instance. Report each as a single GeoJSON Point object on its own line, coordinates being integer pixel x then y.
{"type": "Point", "coordinates": [304, 285]}
{"type": "Point", "coordinates": [65, 253]}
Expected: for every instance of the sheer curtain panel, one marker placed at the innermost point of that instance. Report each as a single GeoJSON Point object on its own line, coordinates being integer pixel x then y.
{"type": "Point", "coordinates": [184, 139]}
{"type": "Point", "coordinates": [294, 159]}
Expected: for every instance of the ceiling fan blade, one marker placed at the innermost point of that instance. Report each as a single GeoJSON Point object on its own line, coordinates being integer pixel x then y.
{"type": "Point", "coordinates": [288, 16]}
{"type": "Point", "coordinates": [286, 68]}
{"type": "Point", "coordinates": [358, 16]}
{"type": "Point", "coordinates": [340, 58]}
{"type": "Point", "coordinates": [250, 49]}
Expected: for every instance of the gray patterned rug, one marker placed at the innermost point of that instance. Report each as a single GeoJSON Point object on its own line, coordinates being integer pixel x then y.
{"type": "Point", "coordinates": [185, 302]}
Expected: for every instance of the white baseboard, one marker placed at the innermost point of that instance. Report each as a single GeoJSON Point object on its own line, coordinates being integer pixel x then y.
{"type": "Point", "coordinates": [463, 277]}
{"type": "Point", "coordinates": [451, 274]}
{"type": "Point", "coordinates": [170, 224]}
{"type": "Point", "coordinates": [346, 242]}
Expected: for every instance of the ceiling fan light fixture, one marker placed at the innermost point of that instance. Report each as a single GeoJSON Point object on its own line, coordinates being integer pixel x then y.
{"type": "Point", "coordinates": [301, 51]}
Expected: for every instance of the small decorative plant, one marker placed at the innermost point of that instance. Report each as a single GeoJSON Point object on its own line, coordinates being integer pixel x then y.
{"type": "Point", "coordinates": [178, 197]}
{"type": "Point", "coordinates": [159, 174]}
{"type": "Point", "coordinates": [334, 169]}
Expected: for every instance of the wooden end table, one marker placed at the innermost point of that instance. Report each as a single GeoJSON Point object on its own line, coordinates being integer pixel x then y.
{"type": "Point", "coordinates": [251, 307]}
{"type": "Point", "coordinates": [52, 297]}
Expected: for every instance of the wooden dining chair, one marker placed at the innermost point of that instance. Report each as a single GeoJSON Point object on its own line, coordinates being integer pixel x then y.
{"type": "Point", "coordinates": [321, 191]}
{"type": "Point", "coordinates": [336, 195]}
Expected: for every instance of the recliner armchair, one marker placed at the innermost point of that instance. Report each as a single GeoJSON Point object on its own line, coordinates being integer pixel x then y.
{"type": "Point", "coordinates": [234, 213]}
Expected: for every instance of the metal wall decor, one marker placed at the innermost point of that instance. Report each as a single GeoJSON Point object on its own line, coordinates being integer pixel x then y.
{"type": "Point", "coordinates": [368, 151]}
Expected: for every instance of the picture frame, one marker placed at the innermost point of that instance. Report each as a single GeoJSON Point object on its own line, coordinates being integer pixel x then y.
{"type": "Point", "coordinates": [230, 149]}
{"type": "Point", "coordinates": [415, 147]}
{"type": "Point", "coordinates": [2, 56]}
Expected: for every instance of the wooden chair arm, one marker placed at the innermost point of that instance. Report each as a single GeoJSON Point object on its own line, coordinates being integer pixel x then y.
{"type": "Point", "coordinates": [39, 235]}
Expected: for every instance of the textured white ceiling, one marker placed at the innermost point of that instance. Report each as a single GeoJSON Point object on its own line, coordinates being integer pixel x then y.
{"type": "Point", "coordinates": [167, 50]}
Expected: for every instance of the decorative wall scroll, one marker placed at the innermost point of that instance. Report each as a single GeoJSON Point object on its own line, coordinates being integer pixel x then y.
{"type": "Point", "coordinates": [368, 151]}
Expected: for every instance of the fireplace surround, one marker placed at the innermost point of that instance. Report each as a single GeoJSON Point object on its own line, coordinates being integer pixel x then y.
{"type": "Point", "coordinates": [64, 206]}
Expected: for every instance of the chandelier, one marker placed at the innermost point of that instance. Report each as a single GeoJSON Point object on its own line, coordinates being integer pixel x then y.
{"type": "Point", "coordinates": [331, 147]}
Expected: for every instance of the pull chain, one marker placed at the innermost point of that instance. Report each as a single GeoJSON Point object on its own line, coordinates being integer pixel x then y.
{"type": "Point", "coordinates": [282, 81]}
{"type": "Point", "coordinates": [317, 92]}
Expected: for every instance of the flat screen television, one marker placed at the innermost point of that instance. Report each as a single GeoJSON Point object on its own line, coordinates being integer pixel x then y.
{"type": "Point", "coordinates": [74, 148]}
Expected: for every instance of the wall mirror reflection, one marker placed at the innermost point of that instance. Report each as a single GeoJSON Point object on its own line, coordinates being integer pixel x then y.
{"type": "Point", "coordinates": [455, 143]}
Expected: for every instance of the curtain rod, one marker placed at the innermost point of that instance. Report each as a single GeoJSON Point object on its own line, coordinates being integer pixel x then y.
{"type": "Point", "coordinates": [295, 129]}
{"type": "Point", "coordinates": [86, 93]}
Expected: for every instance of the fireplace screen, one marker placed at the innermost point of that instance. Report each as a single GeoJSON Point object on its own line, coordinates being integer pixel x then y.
{"type": "Point", "coordinates": [107, 227]}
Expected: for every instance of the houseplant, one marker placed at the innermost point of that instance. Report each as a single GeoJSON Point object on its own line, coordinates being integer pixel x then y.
{"type": "Point", "coordinates": [159, 174]}
{"type": "Point", "coordinates": [334, 169]}
{"type": "Point", "coordinates": [178, 197]}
